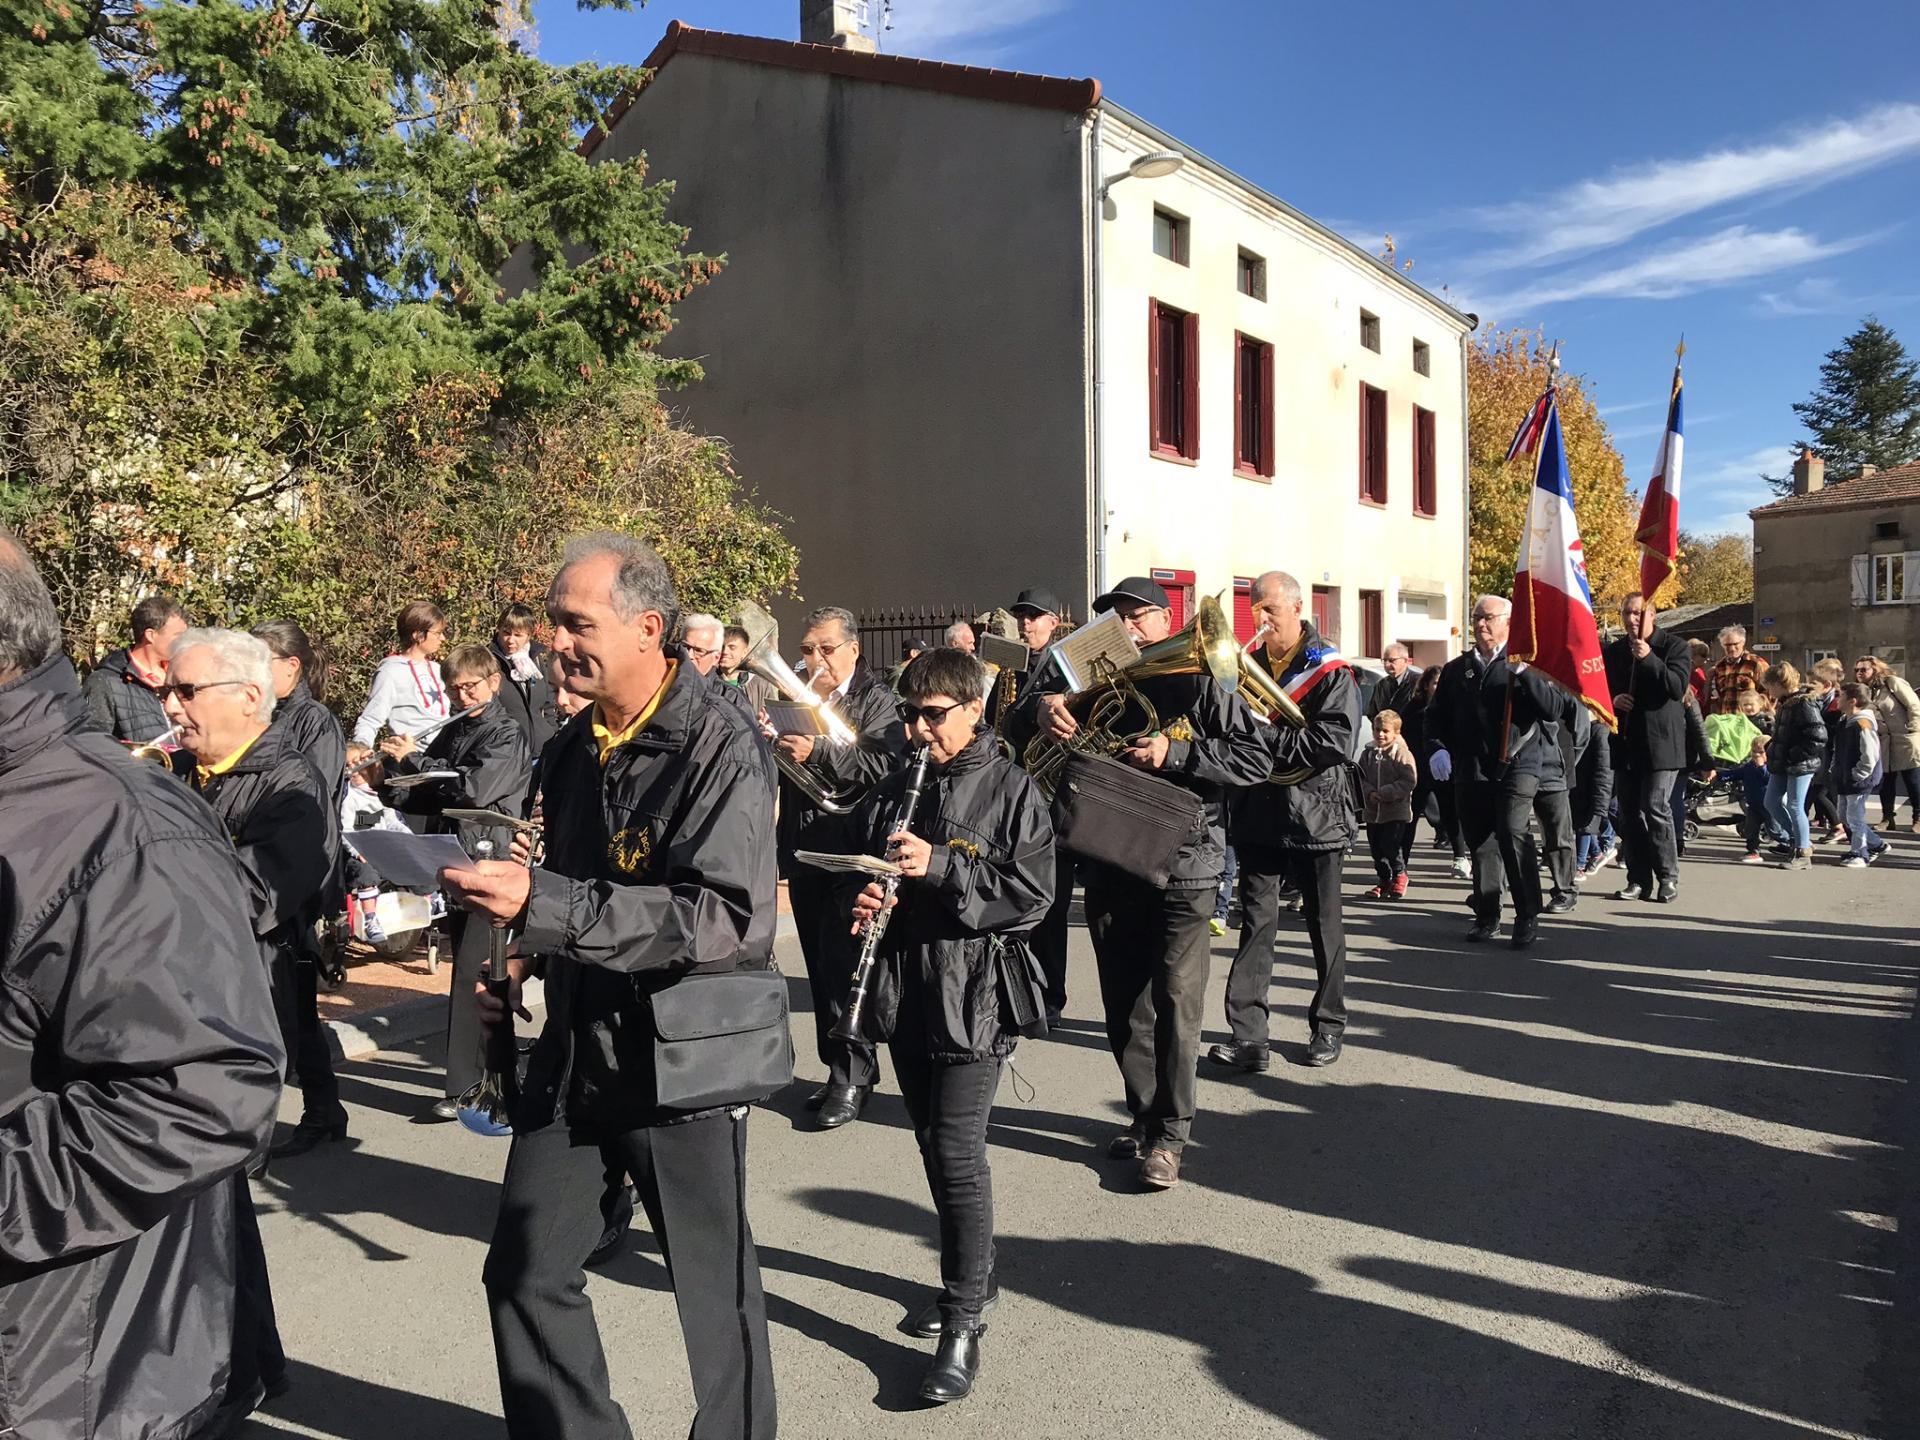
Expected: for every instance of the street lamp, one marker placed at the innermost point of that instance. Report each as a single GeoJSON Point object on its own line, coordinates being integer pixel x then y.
{"type": "Point", "coordinates": [1151, 166]}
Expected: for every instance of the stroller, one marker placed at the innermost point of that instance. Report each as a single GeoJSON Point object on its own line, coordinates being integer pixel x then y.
{"type": "Point", "coordinates": [1722, 800]}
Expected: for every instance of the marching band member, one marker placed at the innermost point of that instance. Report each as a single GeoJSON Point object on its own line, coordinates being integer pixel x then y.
{"type": "Point", "coordinates": [1037, 612]}
{"type": "Point", "coordinates": [486, 750]}
{"type": "Point", "coordinates": [831, 649]}
{"type": "Point", "coordinates": [1299, 832]}
{"type": "Point", "coordinates": [1151, 944]}
{"type": "Point", "coordinates": [684, 884]}
{"type": "Point", "coordinates": [977, 867]}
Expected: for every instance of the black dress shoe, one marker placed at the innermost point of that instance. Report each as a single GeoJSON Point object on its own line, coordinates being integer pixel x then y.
{"type": "Point", "coordinates": [1127, 1145]}
{"type": "Point", "coordinates": [445, 1109]}
{"type": "Point", "coordinates": [930, 1324]}
{"type": "Point", "coordinates": [1562, 904]}
{"type": "Point", "coordinates": [608, 1245]}
{"type": "Point", "coordinates": [1668, 892]}
{"type": "Point", "coordinates": [817, 1098]}
{"type": "Point", "coordinates": [1483, 931]}
{"type": "Point", "coordinates": [1325, 1048]}
{"type": "Point", "coordinates": [1240, 1056]}
{"type": "Point", "coordinates": [312, 1130]}
{"type": "Point", "coordinates": [842, 1106]}
{"type": "Point", "coordinates": [1632, 890]}
{"type": "Point", "coordinates": [1525, 932]}
{"type": "Point", "coordinates": [956, 1365]}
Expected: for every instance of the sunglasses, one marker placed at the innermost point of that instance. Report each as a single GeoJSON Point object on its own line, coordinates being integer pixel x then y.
{"type": "Point", "coordinates": [823, 651]}
{"type": "Point", "coordinates": [187, 690]}
{"type": "Point", "coordinates": [935, 715]}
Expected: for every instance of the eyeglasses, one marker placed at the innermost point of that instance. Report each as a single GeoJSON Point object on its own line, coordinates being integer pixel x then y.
{"type": "Point", "coordinates": [186, 690]}
{"type": "Point", "coordinates": [468, 687]}
{"type": "Point", "coordinates": [823, 651]}
{"type": "Point", "coordinates": [934, 715]}
{"type": "Point", "coordinates": [701, 652]}
{"type": "Point", "coordinates": [1489, 619]}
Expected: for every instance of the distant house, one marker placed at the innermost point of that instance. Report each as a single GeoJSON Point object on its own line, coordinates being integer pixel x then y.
{"type": "Point", "coordinates": [1833, 573]}
{"type": "Point", "coordinates": [1705, 622]}
{"type": "Point", "coordinates": [980, 331]}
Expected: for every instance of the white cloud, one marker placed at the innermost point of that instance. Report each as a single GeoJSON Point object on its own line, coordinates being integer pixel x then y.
{"type": "Point", "coordinates": [1598, 213]}
{"type": "Point", "coordinates": [1735, 253]}
{"type": "Point", "coordinates": [1821, 295]}
{"type": "Point", "coordinates": [923, 27]}
{"type": "Point", "coordinates": [1610, 410]}
{"type": "Point", "coordinates": [1715, 500]}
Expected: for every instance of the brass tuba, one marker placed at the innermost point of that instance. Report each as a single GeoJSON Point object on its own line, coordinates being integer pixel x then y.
{"type": "Point", "coordinates": [156, 749]}
{"type": "Point", "coordinates": [763, 660]}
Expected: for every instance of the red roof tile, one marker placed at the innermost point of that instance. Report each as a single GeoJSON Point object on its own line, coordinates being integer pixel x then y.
{"type": "Point", "coordinates": [1047, 92]}
{"type": "Point", "coordinates": [1892, 486]}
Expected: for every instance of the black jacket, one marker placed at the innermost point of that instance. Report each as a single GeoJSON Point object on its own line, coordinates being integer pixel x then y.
{"type": "Point", "coordinates": [991, 876]}
{"type": "Point", "coordinates": [489, 750]}
{"type": "Point", "coordinates": [1653, 735]}
{"type": "Point", "coordinates": [658, 864]}
{"type": "Point", "coordinates": [1592, 790]}
{"type": "Point", "coordinates": [139, 1070]}
{"type": "Point", "coordinates": [1393, 695]}
{"type": "Point", "coordinates": [1699, 756]}
{"type": "Point", "coordinates": [1318, 813]}
{"type": "Point", "coordinates": [869, 707]}
{"type": "Point", "coordinates": [1799, 743]}
{"type": "Point", "coordinates": [1469, 719]}
{"type": "Point", "coordinates": [120, 703]}
{"type": "Point", "coordinates": [314, 731]}
{"type": "Point", "coordinates": [529, 702]}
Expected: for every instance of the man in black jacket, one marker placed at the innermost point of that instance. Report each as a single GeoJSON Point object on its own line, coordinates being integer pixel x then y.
{"type": "Point", "coordinates": [830, 653]}
{"type": "Point", "coordinates": [1151, 944]}
{"type": "Point", "coordinates": [659, 865]}
{"type": "Point", "coordinates": [1299, 831]}
{"type": "Point", "coordinates": [1494, 720]}
{"type": "Point", "coordinates": [139, 1063]}
{"type": "Point", "coordinates": [525, 692]}
{"type": "Point", "coordinates": [271, 801]}
{"type": "Point", "coordinates": [123, 692]}
{"type": "Point", "coordinates": [1396, 691]}
{"type": "Point", "coordinates": [1647, 671]}
{"type": "Point", "coordinates": [485, 751]}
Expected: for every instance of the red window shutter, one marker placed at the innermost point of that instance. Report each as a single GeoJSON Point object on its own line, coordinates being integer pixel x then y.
{"type": "Point", "coordinates": [1366, 436]}
{"type": "Point", "coordinates": [1179, 587]}
{"type": "Point", "coordinates": [1377, 447]}
{"type": "Point", "coordinates": [1324, 617]}
{"type": "Point", "coordinates": [1241, 460]}
{"type": "Point", "coordinates": [1190, 398]}
{"type": "Point", "coordinates": [1426, 480]}
{"type": "Point", "coordinates": [1154, 362]}
{"type": "Point", "coordinates": [1372, 623]}
{"type": "Point", "coordinates": [1243, 623]}
{"type": "Point", "coordinates": [1266, 410]}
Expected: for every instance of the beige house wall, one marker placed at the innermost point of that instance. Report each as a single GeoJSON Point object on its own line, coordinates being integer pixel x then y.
{"type": "Point", "coordinates": [1803, 588]}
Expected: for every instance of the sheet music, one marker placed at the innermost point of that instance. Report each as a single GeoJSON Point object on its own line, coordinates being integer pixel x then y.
{"type": "Point", "coordinates": [413, 862]}
{"type": "Point", "coordinates": [847, 864]}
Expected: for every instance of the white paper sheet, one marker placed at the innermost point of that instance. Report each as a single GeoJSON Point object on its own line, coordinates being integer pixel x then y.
{"type": "Point", "coordinates": [410, 861]}
{"type": "Point", "coordinates": [847, 864]}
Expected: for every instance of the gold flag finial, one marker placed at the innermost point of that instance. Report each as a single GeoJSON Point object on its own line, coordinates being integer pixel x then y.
{"type": "Point", "coordinates": [1680, 350]}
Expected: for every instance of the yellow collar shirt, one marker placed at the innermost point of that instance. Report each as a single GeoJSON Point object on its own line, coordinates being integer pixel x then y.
{"type": "Point", "coordinates": [610, 740]}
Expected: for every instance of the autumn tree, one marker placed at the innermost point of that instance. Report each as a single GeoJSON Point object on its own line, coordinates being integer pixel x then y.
{"type": "Point", "coordinates": [1715, 569]}
{"type": "Point", "coordinates": [1506, 371]}
{"type": "Point", "coordinates": [1866, 410]}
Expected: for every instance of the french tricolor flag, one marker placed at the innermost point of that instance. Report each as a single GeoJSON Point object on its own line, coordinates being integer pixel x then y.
{"type": "Point", "coordinates": [1659, 532]}
{"type": "Point", "coordinates": [1553, 626]}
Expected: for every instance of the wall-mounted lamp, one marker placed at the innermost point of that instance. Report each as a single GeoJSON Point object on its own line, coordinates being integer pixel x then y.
{"type": "Point", "coordinates": [1152, 166]}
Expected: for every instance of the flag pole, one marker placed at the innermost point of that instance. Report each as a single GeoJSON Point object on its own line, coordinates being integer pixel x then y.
{"type": "Point", "coordinates": [1506, 718]}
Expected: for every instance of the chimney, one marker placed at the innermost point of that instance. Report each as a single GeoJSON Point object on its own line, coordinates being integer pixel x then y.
{"type": "Point", "coordinates": [1809, 473]}
{"type": "Point", "coordinates": [1866, 470]}
{"type": "Point", "coordinates": [836, 23]}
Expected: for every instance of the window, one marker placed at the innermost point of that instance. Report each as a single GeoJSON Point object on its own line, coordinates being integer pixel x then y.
{"type": "Point", "coordinates": [1372, 623]}
{"type": "Point", "coordinates": [1326, 613]}
{"type": "Point", "coordinates": [1253, 275]}
{"type": "Point", "coordinates": [1425, 607]}
{"type": "Point", "coordinates": [1244, 625]}
{"type": "Point", "coordinates": [1890, 580]}
{"type": "Point", "coordinates": [1169, 236]}
{"type": "Point", "coordinates": [1422, 358]}
{"type": "Point", "coordinates": [1886, 530]}
{"type": "Point", "coordinates": [1179, 587]}
{"type": "Point", "coordinates": [1370, 330]}
{"type": "Point", "coordinates": [1173, 363]}
{"type": "Point", "coordinates": [1895, 656]}
{"type": "Point", "coordinates": [1426, 475]}
{"type": "Point", "coordinates": [1373, 445]}
{"type": "Point", "coordinates": [1252, 406]}
{"type": "Point", "coordinates": [1817, 653]}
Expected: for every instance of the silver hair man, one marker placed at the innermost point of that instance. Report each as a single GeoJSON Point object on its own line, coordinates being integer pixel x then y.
{"type": "Point", "coordinates": [237, 656]}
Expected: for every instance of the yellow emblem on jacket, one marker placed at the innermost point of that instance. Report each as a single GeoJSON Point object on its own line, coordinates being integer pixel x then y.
{"type": "Point", "coordinates": [1181, 729]}
{"type": "Point", "coordinates": [630, 850]}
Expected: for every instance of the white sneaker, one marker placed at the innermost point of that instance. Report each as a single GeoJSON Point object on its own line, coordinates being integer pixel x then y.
{"type": "Point", "coordinates": [1854, 862]}
{"type": "Point", "coordinates": [1463, 867]}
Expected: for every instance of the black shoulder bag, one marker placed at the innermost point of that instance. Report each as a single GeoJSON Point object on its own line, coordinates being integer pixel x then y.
{"type": "Point", "coordinates": [1107, 810]}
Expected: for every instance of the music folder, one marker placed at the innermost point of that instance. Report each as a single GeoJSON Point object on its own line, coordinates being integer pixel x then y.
{"type": "Point", "coordinates": [847, 864]}
{"type": "Point", "coordinates": [794, 717]}
{"type": "Point", "coordinates": [1009, 655]}
{"type": "Point", "coordinates": [1095, 652]}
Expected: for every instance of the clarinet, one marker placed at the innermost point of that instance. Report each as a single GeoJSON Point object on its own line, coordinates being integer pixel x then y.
{"type": "Point", "coordinates": [851, 1019]}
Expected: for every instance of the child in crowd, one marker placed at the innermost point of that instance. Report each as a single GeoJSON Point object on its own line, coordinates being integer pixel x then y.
{"type": "Point", "coordinates": [360, 809]}
{"type": "Point", "coordinates": [1388, 777]}
{"type": "Point", "coordinates": [1857, 771]}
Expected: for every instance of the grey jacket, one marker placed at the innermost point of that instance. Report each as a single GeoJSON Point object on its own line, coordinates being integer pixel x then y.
{"type": "Point", "coordinates": [120, 703]}
{"type": "Point", "coordinates": [139, 1070]}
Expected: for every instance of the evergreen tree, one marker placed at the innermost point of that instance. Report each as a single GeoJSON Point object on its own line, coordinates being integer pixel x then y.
{"type": "Point", "coordinates": [1867, 409]}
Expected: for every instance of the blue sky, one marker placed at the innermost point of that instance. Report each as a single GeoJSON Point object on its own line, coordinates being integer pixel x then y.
{"type": "Point", "coordinates": [1616, 174]}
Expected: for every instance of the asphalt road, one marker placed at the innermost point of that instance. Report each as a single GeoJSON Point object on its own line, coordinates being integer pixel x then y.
{"type": "Point", "coordinates": [1647, 1180]}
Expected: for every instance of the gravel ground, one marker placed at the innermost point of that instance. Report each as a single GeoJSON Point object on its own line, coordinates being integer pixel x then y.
{"type": "Point", "coordinates": [1645, 1180]}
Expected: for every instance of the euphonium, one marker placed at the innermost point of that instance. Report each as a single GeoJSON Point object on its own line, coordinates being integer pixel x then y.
{"type": "Point", "coordinates": [155, 749]}
{"type": "Point", "coordinates": [1100, 731]}
{"type": "Point", "coordinates": [763, 660]}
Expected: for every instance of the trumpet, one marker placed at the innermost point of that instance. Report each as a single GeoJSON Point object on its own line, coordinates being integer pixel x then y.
{"type": "Point", "coordinates": [763, 660]}
{"type": "Point", "coordinates": [155, 749]}
{"type": "Point", "coordinates": [847, 1027]}
{"type": "Point", "coordinates": [1267, 700]}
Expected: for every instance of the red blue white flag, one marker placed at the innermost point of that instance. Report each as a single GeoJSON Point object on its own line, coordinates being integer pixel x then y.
{"type": "Point", "coordinates": [1553, 626]}
{"type": "Point", "coordinates": [1659, 532]}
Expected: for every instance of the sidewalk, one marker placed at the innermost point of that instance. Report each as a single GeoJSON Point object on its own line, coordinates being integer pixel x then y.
{"type": "Point", "coordinates": [385, 1003]}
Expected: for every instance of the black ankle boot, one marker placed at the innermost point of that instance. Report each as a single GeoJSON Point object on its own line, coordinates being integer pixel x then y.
{"type": "Point", "coordinates": [956, 1364]}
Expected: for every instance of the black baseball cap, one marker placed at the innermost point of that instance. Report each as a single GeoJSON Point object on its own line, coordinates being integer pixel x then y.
{"type": "Point", "coordinates": [912, 647]}
{"type": "Point", "coordinates": [1039, 602]}
{"type": "Point", "coordinates": [1137, 588]}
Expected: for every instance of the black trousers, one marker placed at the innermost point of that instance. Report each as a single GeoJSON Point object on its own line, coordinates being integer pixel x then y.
{"type": "Point", "coordinates": [1049, 938]}
{"type": "Point", "coordinates": [1646, 825]}
{"type": "Point", "coordinates": [1493, 822]}
{"type": "Point", "coordinates": [1151, 948]}
{"type": "Point", "coordinates": [1265, 873]}
{"type": "Point", "coordinates": [1820, 796]}
{"type": "Point", "coordinates": [312, 1061]}
{"type": "Point", "coordinates": [1554, 810]}
{"type": "Point", "coordinates": [1891, 784]}
{"type": "Point", "coordinates": [257, 1354]}
{"type": "Point", "coordinates": [1442, 792]}
{"type": "Point", "coordinates": [1387, 843]}
{"type": "Point", "coordinates": [828, 946]}
{"type": "Point", "coordinates": [692, 1179]}
{"type": "Point", "coordinates": [949, 1106]}
{"type": "Point", "coordinates": [466, 1041]}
